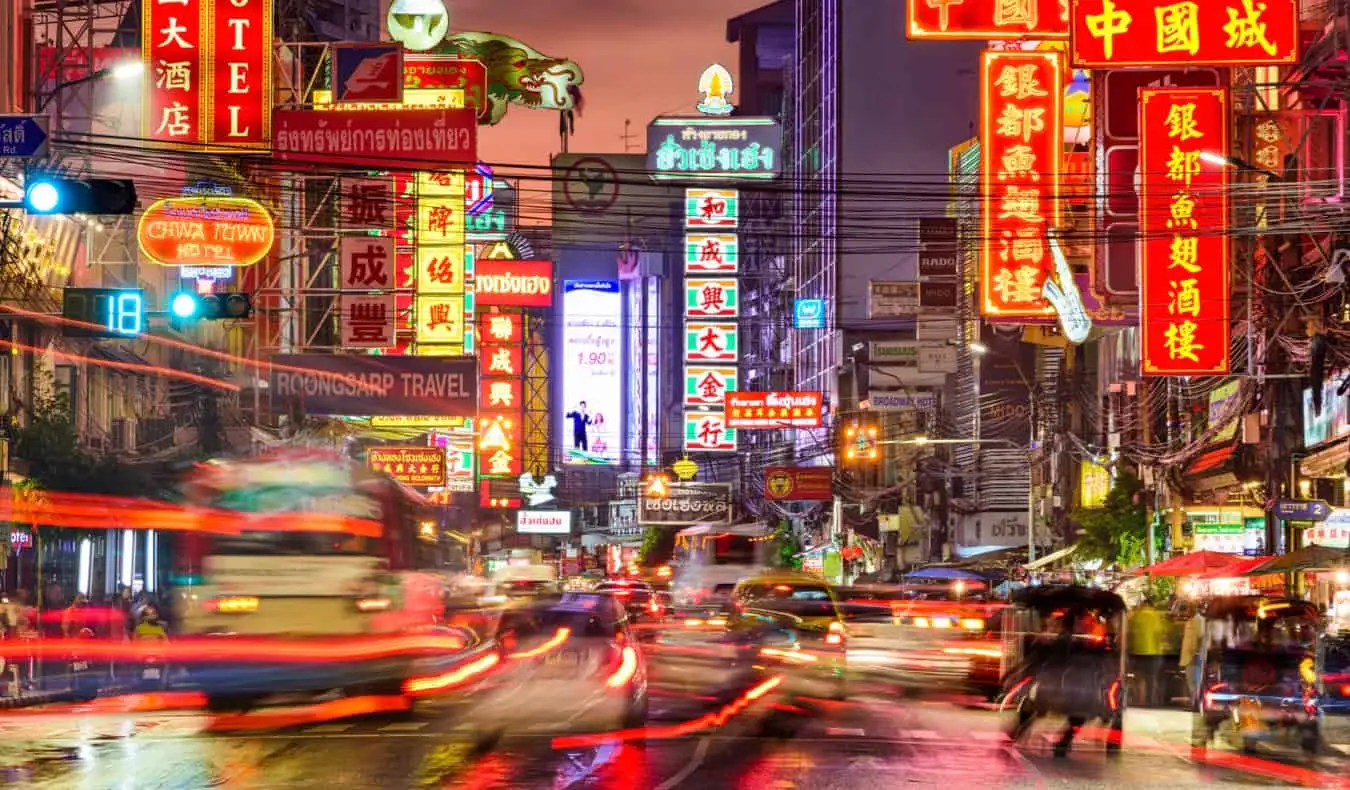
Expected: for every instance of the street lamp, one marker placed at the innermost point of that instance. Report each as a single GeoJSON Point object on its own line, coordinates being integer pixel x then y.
{"type": "Point", "coordinates": [122, 70]}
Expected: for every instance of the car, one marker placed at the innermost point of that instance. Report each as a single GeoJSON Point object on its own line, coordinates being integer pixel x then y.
{"type": "Point", "coordinates": [566, 661]}
{"type": "Point", "coordinates": [639, 600]}
{"type": "Point", "coordinates": [791, 625]}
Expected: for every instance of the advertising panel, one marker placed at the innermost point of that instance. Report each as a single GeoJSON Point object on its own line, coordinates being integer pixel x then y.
{"type": "Point", "coordinates": [711, 342]}
{"type": "Point", "coordinates": [652, 368]}
{"type": "Point", "coordinates": [205, 231]}
{"type": "Point", "coordinates": [543, 522]}
{"type": "Point", "coordinates": [414, 466]}
{"type": "Point", "coordinates": [1021, 146]}
{"type": "Point", "coordinates": [687, 505]}
{"type": "Point", "coordinates": [368, 320]}
{"type": "Point", "coordinates": [502, 394]}
{"type": "Point", "coordinates": [459, 460]}
{"type": "Point", "coordinates": [498, 360]}
{"type": "Point", "coordinates": [500, 453]}
{"type": "Point", "coordinates": [705, 297]}
{"type": "Point", "coordinates": [987, 20]}
{"type": "Point", "coordinates": [937, 247]}
{"type": "Point", "coordinates": [799, 483]}
{"type": "Point", "coordinates": [592, 395]}
{"type": "Point", "coordinates": [440, 321]}
{"type": "Point", "coordinates": [683, 149]}
{"type": "Point", "coordinates": [358, 384]}
{"type": "Point", "coordinates": [1184, 310]}
{"type": "Point", "coordinates": [366, 263]}
{"type": "Point", "coordinates": [501, 327]}
{"type": "Point", "coordinates": [900, 400]}
{"type": "Point", "coordinates": [240, 64]}
{"type": "Point", "coordinates": [808, 314]}
{"type": "Point", "coordinates": [708, 386]}
{"type": "Point", "coordinates": [1125, 33]}
{"type": "Point", "coordinates": [711, 253]}
{"type": "Point", "coordinates": [1005, 398]}
{"type": "Point", "coordinates": [774, 410]}
{"type": "Point", "coordinates": [426, 139]}
{"type": "Point", "coordinates": [712, 209]}
{"type": "Point", "coordinates": [173, 36]}
{"type": "Point", "coordinates": [707, 431]}
{"type": "Point", "coordinates": [892, 300]}
{"type": "Point", "coordinates": [366, 203]}
{"type": "Point", "coordinates": [513, 283]}
{"type": "Point", "coordinates": [367, 72]}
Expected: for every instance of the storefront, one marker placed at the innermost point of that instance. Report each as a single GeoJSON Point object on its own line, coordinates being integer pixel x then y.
{"type": "Point", "coordinates": [1239, 530]}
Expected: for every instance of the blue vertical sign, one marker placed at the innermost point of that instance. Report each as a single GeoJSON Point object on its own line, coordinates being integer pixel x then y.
{"type": "Point", "coordinates": [808, 314]}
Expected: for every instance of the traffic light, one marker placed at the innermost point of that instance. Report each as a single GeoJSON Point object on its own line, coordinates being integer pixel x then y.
{"type": "Point", "coordinates": [186, 307]}
{"type": "Point", "coordinates": [46, 195]}
{"type": "Point", "coordinates": [860, 443]}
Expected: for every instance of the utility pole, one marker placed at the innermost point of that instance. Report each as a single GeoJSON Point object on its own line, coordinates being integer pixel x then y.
{"type": "Point", "coordinates": [628, 137]}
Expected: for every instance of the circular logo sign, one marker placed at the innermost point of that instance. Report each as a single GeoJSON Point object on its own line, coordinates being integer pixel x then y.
{"type": "Point", "coordinates": [778, 484]}
{"type": "Point", "coordinates": [206, 231]}
{"type": "Point", "coordinates": [591, 185]}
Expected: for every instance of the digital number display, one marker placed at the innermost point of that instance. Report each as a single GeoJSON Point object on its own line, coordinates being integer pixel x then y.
{"type": "Point", "coordinates": [103, 312]}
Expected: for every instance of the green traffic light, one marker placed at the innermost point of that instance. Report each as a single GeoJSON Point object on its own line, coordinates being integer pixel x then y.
{"type": "Point", "coordinates": [184, 305]}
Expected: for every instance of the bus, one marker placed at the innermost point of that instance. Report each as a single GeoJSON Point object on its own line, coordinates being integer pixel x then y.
{"type": "Point", "coordinates": [711, 559]}
{"type": "Point", "coordinates": [323, 549]}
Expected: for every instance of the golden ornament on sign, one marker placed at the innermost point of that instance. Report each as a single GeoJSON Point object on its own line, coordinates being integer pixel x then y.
{"type": "Point", "coordinates": [684, 469]}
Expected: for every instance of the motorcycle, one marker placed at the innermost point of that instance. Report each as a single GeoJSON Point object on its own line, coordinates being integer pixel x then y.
{"type": "Point", "coordinates": [84, 680]}
{"type": "Point", "coordinates": [153, 673]}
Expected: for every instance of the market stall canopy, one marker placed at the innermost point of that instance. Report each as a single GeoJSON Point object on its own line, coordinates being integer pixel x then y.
{"type": "Point", "coordinates": [753, 530]}
{"type": "Point", "coordinates": [1052, 558]}
{"type": "Point", "coordinates": [1238, 567]}
{"type": "Point", "coordinates": [1193, 564]}
{"type": "Point", "coordinates": [945, 573]}
{"type": "Point", "coordinates": [1307, 558]}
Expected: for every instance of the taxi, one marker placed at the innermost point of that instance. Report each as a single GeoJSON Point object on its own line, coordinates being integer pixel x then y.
{"type": "Point", "coordinates": [790, 624]}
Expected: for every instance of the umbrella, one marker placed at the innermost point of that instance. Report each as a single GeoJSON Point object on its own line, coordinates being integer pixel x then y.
{"type": "Point", "coordinates": [1195, 563]}
{"type": "Point", "coordinates": [1308, 557]}
{"type": "Point", "coordinates": [945, 573]}
{"type": "Point", "coordinates": [1238, 567]}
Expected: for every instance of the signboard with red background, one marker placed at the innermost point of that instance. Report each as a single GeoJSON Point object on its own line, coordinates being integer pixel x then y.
{"type": "Point", "coordinates": [1184, 321]}
{"type": "Point", "coordinates": [1021, 144]}
{"type": "Point", "coordinates": [1131, 33]}
{"type": "Point", "coordinates": [996, 20]}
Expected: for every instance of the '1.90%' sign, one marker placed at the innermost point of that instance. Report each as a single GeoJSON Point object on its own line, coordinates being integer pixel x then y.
{"type": "Point", "coordinates": [688, 504]}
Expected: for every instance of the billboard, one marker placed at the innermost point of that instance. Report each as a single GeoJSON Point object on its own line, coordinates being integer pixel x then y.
{"type": "Point", "coordinates": [1183, 210]}
{"type": "Point", "coordinates": [687, 504]}
{"type": "Point", "coordinates": [774, 409]}
{"type": "Point", "coordinates": [719, 149]}
{"type": "Point", "coordinates": [1021, 146]}
{"type": "Point", "coordinates": [413, 466]}
{"type": "Point", "coordinates": [1126, 33]}
{"type": "Point", "coordinates": [592, 396]}
{"type": "Point", "coordinates": [352, 384]}
{"type": "Point", "coordinates": [427, 139]}
{"type": "Point", "coordinates": [503, 283]}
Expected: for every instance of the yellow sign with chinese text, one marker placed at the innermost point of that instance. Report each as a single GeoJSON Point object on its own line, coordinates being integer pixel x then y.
{"type": "Point", "coordinates": [413, 98]}
{"type": "Point", "coordinates": [440, 208]}
{"type": "Point", "coordinates": [440, 269]}
{"type": "Point", "coordinates": [440, 320]}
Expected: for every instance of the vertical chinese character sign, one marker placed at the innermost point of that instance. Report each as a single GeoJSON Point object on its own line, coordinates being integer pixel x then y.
{"type": "Point", "coordinates": [440, 312]}
{"type": "Point", "coordinates": [501, 404]}
{"type": "Point", "coordinates": [366, 277]}
{"type": "Point", "coordinates": [208, 72]}
{"type": "Point", "coordinates": [710, 317]}
{"type": "Point", "coordinates": [1184, 310]}
{"type": "Point", "coordinates": [1021, 145]}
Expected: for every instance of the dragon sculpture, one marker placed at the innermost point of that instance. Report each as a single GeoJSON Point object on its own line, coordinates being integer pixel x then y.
{"type": "Point", "coordinates": [516, 73]}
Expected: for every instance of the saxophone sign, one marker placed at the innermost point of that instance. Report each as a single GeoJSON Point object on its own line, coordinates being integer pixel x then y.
{"type": "Point", "coordinates": [206, 231]}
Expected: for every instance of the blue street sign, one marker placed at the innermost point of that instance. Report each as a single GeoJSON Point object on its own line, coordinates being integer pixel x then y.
{"type": "Point", "coordinates": [808, 314]}
{"type": "Point", "coordinates": [23, 136]}
{"type": "Point", "coordinates": [1302, 509]}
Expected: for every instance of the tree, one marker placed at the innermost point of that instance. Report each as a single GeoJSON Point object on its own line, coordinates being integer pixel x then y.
{"type": "Point", "coordinates": [789, 546]}
{"type": "Point", "coordinates": [50, 445]}
{"type": "Point", "coordinates": [1117, 532]}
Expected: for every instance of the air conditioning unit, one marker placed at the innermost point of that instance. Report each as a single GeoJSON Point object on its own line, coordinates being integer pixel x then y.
{"type": "Point", "coordinates": [123, 436]}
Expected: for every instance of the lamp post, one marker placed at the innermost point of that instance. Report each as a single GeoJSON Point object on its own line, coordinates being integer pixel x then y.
{"type": "Point", "coordinates": [124, 70]}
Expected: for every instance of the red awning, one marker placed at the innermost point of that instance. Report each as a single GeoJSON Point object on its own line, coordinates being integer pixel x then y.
{"type": "Point", "coordinates": [1193, 564]}
{"type": "Point", "coordinates": [1211, 461]}
{"type": "Point", "coordinates": [1237, 568]}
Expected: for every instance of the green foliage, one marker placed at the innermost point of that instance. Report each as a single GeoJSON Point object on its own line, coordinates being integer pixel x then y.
{"type": "Point", "coordinates": [789, 546]}
{"type": "Point", "coordinates": [49, 443]}
{"type": "Point", "coordinates": [1118, 531]}
{"type": "Point", "coordinates": [655, 548]}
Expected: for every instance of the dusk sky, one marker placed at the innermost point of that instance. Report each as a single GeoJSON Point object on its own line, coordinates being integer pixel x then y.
{"type": "Point", "coordinates": [641, 59]}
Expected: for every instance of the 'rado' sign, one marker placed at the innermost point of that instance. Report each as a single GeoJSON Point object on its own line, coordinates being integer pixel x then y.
{"type": "Point", "coordinates": [501, 283]}
{"type": "Point", "coordinates": [688, 504]}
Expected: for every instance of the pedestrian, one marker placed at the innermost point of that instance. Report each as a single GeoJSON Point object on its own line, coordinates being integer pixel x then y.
{"type": "Point", "coordinates": [1146, 652]}
{"type": "Point", "coordinates": [1191, 660]}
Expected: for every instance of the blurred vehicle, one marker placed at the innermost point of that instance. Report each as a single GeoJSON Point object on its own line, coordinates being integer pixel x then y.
{"type": "Point", "coordinates": [1261, 668]}
{"type": "Point", "coordinates": [707, 557]}
{"type": "Point", "coordinates": [790, 624]}
{"type": "Point", "coordinates": [568, 660]}
{"type": "Point", "coordinates": [84, 670]}
{"type": "Point", "coordinates": [326, 548]}
{"type": "Point", "coordinates": [1066, 646]}
{"type": "Point", "coordinates": [939, 639]}
{"type": "Point", "coordinates": [514, 582]}
{"type": "Point", "coordinates": [642, 603]}
{"type": "Point", "coordinates": [1334, 674]}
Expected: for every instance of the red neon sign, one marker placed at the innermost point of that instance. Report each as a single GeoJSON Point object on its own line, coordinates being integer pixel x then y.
{"type": "Point", "coordinates": [173, 36]}
{"type": "Point", "coordinates": [986, 19]}
{"type": "Point", "coordinates": [1183, 214]}
{"type": "Point", "coordinates": [239, 63]}
{"type": "Point", "coordinates": [1021, 145]}
{"type": "Point", "coordinates": [1118, 33]}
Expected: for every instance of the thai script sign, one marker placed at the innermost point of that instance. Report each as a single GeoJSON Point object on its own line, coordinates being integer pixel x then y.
{"type": "Point", "coordinates": [714, 148]}
{"type": "Point", "coordinates": [414, 466]}
{"type": "Point", "coordinates": [205, 231]}
{"type": "Point", "coordinates": [687, 504]}
{"type": "Point", "coordinates": [513, 283]}
{"type": "Point", "coordinates": [774, 409]}
{"type": "Point", "coordinates": [799, 483]}
{"type": "Point", "coordinates": [425, 139]}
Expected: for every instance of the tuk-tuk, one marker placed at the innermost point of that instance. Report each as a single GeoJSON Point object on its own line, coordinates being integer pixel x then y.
{"type": "Point", "coordinates": [1261, 666]}
{"type": "Point", "coordinates": [1064, 647]}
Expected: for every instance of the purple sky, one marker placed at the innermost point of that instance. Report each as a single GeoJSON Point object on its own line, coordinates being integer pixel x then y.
{"type": "Point", "coordinates": [641, 58]}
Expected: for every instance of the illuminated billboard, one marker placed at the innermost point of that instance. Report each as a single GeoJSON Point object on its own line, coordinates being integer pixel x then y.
{"type": "Point", "coordinates": [1021, 144]}
{"type": "Point", "coordinates": [1184, 309]}
{"type": "Point", "coordinates": [592, 410]}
